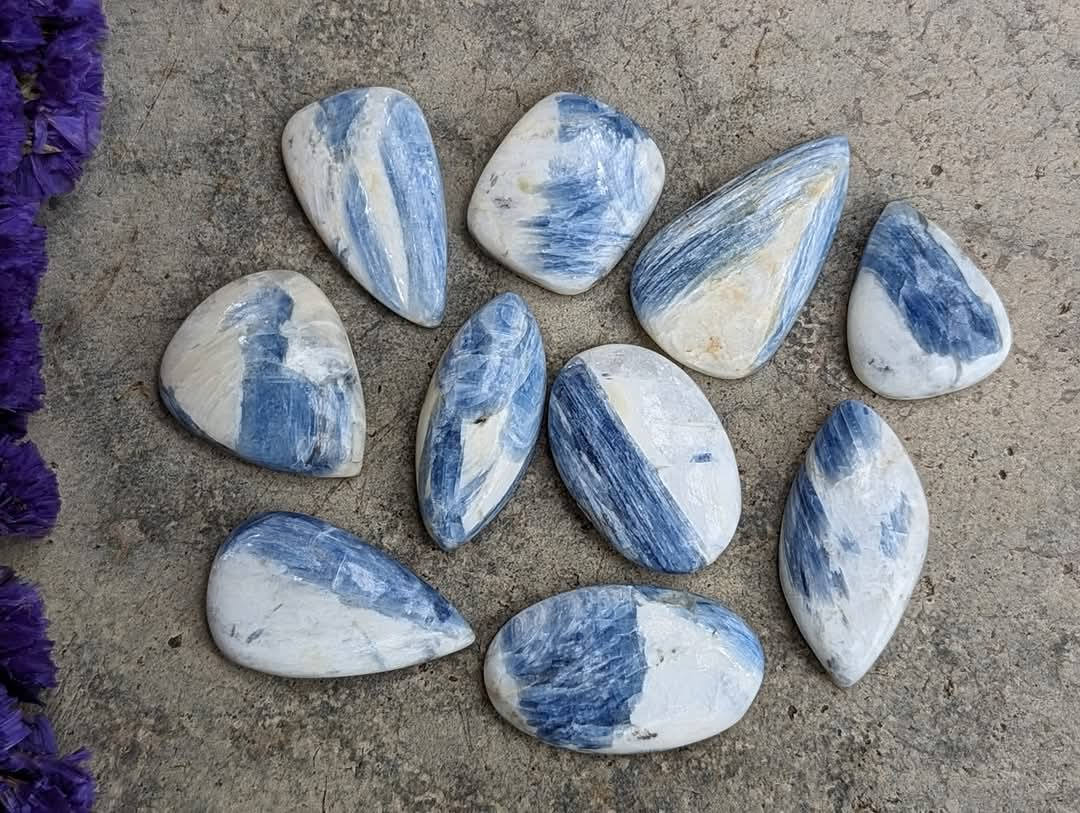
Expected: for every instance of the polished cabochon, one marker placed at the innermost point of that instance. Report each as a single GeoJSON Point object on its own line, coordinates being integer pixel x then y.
{"type": "Point", "coordinates": [566, 192]}
{"type": "Point", "coordinates": [645, 456]}
{"type": "Point", "coordinates": [364, 168]}
{"type": "Point", "coordinates": [923, 320]}
{"type": "Point", "coordinates": [263, 367]}
{"type": "Point", "coordinates": [720, 286]}
{"type": "Point", "coordinates": [853, 540]}
{"type": "Point", "coordinates": [294, 596]}
{"type": "Point", "coordinates": [480, 420]}
{"type": "Point", "coordinates": [624, 669]}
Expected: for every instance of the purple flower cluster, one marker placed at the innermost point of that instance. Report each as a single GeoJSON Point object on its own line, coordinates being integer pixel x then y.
{"type": "Point", "coordinates": [51, 98]}
{"type": "Point", "coordinates": [52, 85]}
{"type": "Point", "coordinates": [34, 776]}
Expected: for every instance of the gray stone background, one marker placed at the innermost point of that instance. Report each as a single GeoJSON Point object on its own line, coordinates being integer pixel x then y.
{"type": "Point", "coordinates": [970, 108]}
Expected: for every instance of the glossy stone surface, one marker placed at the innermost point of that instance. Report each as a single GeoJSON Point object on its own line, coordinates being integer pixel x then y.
{"type": "Point", "coordinates": [923, 320]}
{"type": "Point", "coordinates": [263, 367]}
{"type": "Point", "coordinates": [566, 192]}
{"type": "Point", "coordinates": [294, 596]}
{"type": "Point", "coordinates": [853, 540]}
{"type": "Point", "coordinates": [720, 286]}
{"type": "Point", "coordinates": [642, 451]}
{"type": "Point", "coordinates": [364, 169]}
{"type": "Point", "coordinates": [480, 420]}
{"type": "Point", "coordinates": [624, 669]}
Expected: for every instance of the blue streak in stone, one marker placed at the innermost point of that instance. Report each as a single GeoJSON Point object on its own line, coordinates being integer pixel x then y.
{"type": "Point", "coordinates": [494, 363]}
{"type": "Point", "coordinates": [812, 250]}
{"type": "Point", "coordinates": [852, 433]}
{"type": "Point", "coordinates": [366, 242]}
{"type": "Point", "coordinates": [744, 226]}
{"type": "Point", "coordinates": [335, 119]}
{"type": "Point", "coordinates": [809, 565]}
{"type": "Point", "coordinates": [624, 669]}
{"type": "Point", "coordinates": [578, 115]}
{"type": "Point", "coordinates": [922, 279]}
{"type": "Point", "coordinates": [853, 540]}
{"type": "Point", "coordinates": [328, 558]}
{"type": "Point", "coordinates": [894, 529]}
{"type": "Point", "coordinates": [602, 466]}
{"type": "Point", "coordinates": [412, 168]}
{"type": "Point", "coordinates": [285, 417]}
{"type": "Point", "coordinates": [581, 707]}
{"type": "Point", "coordinates": [748, 211]}
{"type": "Point", "coordinates": [579, 221]}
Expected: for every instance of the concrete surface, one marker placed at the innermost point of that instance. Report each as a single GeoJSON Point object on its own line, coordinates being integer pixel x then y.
{"type": "Point", "coordinates": [971, 108]}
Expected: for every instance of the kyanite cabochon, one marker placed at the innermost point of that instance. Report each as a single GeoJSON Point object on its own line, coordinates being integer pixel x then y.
{"type": "Point", "coordinates": [295, 596]}
{"type": "Point", "coordinates": [566, 192]}
{"type": "Point", "coordinates": [263, 367]}
{"type": "Point", "coordinates": [624, 669]}
{"type": "Point", "coordinates": [480, 420]}
{"type": "Point", "coordinates": [853, 540]}
{"type": "Point", "coordinates": [364, 168]}
{"type": "Point", "coordinates": [923, 320]}
{"type": "Point", "coordinates": [643, 452]}
{"type": "Point", "coordinates": [720, 286]}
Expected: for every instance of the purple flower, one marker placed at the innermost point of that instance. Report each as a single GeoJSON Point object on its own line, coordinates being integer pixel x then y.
{"type": "Point", "coordinates": [26, 665]}
{"type": "Point", "coordinates": [63, 95]}
{"type": "Point", "coordinates": [29, 499]}
{"type": "Point", "coordinates": [65, 118]}
{"type": "Point", "coordinates": [20, 33]}
{"type": "Point", "coordinates": [22, 255]}
{"type": "Point", "coordinates": [58, 12]}
{"type": "Point", "coordinates": [35, 779]}
{"type": "Point", "coordinates": [21, 386]}
{"type": "Point", "coordinates": [22, 264]}
{"type": "Point", "coordinates": [12, 728]}
{"type": "Point", "coordinates": [12, 121]}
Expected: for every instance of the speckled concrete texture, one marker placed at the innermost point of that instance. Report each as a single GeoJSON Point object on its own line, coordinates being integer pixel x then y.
{"type": "Point", "coordinates": [969, 108]}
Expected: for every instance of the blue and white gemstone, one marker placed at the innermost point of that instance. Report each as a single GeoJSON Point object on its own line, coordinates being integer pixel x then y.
{"type": "Point", "coordinates": [263, 367]}
{"type": "Point", "coordinates": [566, 192]}
{"type": "Point", "coordinates": [923, 320]}
{"type": "Point", "coordinates": [624, 669]}
{"type": "Point", "coordinates": [364, 169]}
{"type": "Point", "coordinates": [642, 451]}
{"type": "Point", "coordinates": [720, 286]}
{"type": "Point", "coordinates": [480, 420]}
{"type": "Point", "coordinates": [294, 596]}
{"type": "Point", "coordinates": [853, 540]}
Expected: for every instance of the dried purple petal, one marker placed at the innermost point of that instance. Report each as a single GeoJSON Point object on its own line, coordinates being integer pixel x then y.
{"type": "Point", "coordinates": [40, 737]}
{"type": "Point", "coordinates": [12, 121]}
{"type": "Point", "coordinates": [21, 386]}
{"type": "Point", "coordinates": [29, 498]}
{"type": "Point", "coordinates": [20, 33]}
{"type": "Point", "coordinates": [12, 728]}
{"type": "Point", "coordinates": [67, 12]}
{"type": "Point", "coordinates": [26, 665]}
{"type": "Point", "coordinates": [34, 778]}
{"type": "Point", "coordinates": [63, 80]}
{"type": "Point", "coordinates": [22, 254]}
{"type": "Point", "coordinates": [33, 775]}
